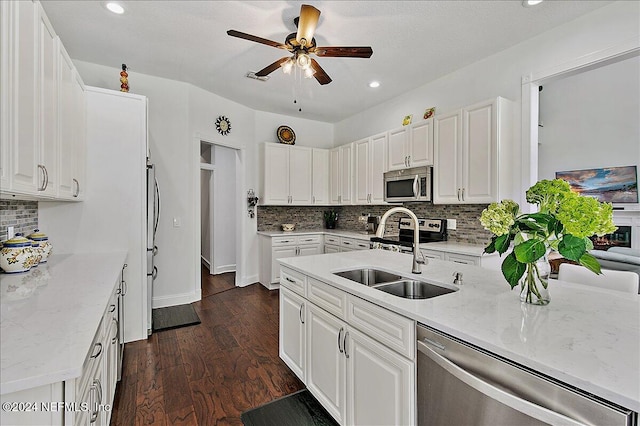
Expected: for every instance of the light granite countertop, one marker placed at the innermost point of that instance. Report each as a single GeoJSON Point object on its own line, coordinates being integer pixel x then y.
{"type": "Point", "coordinates": [49, 317]}
{"type": "Point", "coordinates": [360, 235]}
{"type": "Point", "coordinates": [586, 337]}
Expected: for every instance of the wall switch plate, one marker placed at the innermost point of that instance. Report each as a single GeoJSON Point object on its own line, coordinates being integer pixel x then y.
{"type": "Point", "coordinates": [451, 224]}
{"type": "Point", "coordinates": [177, 222]}
{"type": "Point", "coordinates": [10, 232]}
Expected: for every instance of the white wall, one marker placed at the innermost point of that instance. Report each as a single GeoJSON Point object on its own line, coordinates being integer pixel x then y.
{"type": "Point", "coordinates": [180, 115]}
{"type": "Point", "coordinates": [225, 214]}
{"type": "Point", "coordinates": [501, 74]}
{"type": "Point", "coordinates": [591, 120]}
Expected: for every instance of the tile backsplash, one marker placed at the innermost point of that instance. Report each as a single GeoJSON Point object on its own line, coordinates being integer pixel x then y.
{"type": "Point", "coordinates": [468, 227]}
{"type": "Point", "coordinates": [22, 215]}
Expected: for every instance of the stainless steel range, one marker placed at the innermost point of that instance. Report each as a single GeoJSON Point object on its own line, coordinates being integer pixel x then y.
{"type": "Point", "coordinates": [431, 230]}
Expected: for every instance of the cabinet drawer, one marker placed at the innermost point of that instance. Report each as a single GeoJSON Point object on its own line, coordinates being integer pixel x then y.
{"type": "Point", "coordinates": [463, 258]}
{"type": "Point", "coordinates": [388, 328]}
{"type": "Point", "coordinates": [433, 254]}
{"type": "Point", "coordinates": [284, 241]}
{"type": "Point", "coordinates": [309, 239]}
{"type": "Point", "coordinates": [293, 280]}
{"type": "Point", "coordinates": [332, 239]}
{"type": "Point", "coordinates": [327, 297]}
{"type": "Point", "coordinates": [361, 245]}
{"type": "Point", "coordinates": [348, 243]}
{"type": "Point", "coordinates": [93, 359]}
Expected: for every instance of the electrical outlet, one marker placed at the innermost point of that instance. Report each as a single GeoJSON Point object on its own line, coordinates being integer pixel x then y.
{"type": "Point", "coordinates": [451, 224]}
{"type": "Point", "coordinates": [10, 232]}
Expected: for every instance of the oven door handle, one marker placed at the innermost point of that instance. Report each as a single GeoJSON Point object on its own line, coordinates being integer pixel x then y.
{"type": "Point", "coordinates": [416, 186]}
{"type": "Point", "coordinates": [491, 391]}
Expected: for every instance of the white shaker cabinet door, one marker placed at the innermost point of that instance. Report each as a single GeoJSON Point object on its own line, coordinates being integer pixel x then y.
{"type": "Point", "coordinates": [276, 164]}
{"type": "Point", "coordinates": [447, 150]}
{"type": "Point", "coordinates": [378, 148]}
{"type": "Point", "coordinates": [362, 157]}
{"type": "Point", "coordinates": [293, 331]}
{"type": "Point", "coordinates": [397, 149]}
{"type": "Point", "coordinates": [326, 363]}
{"type": "Point", "coordinates": [479, 154]}
{"type": "Point", "coordinates": [320, 177]}
{"type": "Point", "coordinates": [421, 144]}
{"type": "Point", "coordinates": [380, 383]}
{"type": "Point", "coordinates": [300, 165]}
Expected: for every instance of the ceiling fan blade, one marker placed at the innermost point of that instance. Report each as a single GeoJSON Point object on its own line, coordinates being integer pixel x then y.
{"type": "Point", "coordinates": [234, 33]}
{"type": "Point", "coordinates": [271, 68]}
{"type": "Point", "coordinates": [320, 75]}
{"type": "Point", "coordinates": [344, 52]}
{"type": "Point", "coordinates": [309, 17]}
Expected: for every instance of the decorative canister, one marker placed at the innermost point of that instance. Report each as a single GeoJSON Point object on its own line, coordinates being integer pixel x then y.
{"type": "Point", "coordinates": [44, 245]}
{"type": "Point", "coordinates": [16, 255]}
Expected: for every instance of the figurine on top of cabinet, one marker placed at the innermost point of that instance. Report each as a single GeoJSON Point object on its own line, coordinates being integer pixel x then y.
{"type": "Point", "coordinates": [124, 79]}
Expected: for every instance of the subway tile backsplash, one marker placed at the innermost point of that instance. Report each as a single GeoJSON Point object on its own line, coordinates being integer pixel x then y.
{"type": "Point", "coordinates": [468, 227]}
{"type": "Point", "coordinates": [22, 215]}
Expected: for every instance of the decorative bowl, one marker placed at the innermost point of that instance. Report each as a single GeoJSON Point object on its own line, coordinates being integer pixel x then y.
{"type": "Point", "coordinates": [288, 227]}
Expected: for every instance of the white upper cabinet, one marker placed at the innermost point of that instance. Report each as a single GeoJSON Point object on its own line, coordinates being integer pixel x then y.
{"type": "Point", "coordinates": [472, 149]}
{"type": "Point", "coordinates": [341, 174]}
{"type": "Point", "coordinates": [411, 146]}
{"type": "Point", "coordinates": [33, 84]}
{"type": "Point", "coordinates": [370, 160]}
{"type": "Point", "coordinates": [287, 174]}
{"type": "Point", "coordinates": [320, 176]}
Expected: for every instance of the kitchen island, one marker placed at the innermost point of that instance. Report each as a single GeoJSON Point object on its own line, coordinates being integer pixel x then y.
{"type": "Point", "coordinates": [587, 338]}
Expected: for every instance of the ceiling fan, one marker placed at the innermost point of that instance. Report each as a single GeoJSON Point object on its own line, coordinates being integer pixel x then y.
{"type": "Point", "coordinates": [301, 45]}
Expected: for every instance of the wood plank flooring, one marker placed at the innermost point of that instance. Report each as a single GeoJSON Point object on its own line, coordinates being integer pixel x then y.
{"type": "Point", "coordinates": [207, 374]}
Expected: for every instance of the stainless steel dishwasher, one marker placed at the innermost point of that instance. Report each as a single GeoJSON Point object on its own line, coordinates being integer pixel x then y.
{"type": "Point", "coordinates": [459, 384]}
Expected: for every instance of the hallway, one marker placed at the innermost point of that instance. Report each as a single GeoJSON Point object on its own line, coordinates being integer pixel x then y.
{"type": "Point", "coordinates": [210, 373]}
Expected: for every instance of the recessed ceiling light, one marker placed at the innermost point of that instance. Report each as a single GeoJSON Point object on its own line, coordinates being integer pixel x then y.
{"type": "Point", "coordinates": [115, 8]}
{"type": "Point", "coordinates": [529, 3]}
{"type": "Point", "coordinates": [374, 84]}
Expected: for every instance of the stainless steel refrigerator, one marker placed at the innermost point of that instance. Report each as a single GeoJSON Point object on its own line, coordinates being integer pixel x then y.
{"type": "Point", "coordinates": [153, 215]}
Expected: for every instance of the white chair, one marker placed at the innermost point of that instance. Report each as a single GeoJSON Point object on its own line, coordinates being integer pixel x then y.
{"type": "Point", "coordinates": [626, 281]}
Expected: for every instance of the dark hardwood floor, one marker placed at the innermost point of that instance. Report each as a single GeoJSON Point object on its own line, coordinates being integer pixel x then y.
{"type": "Point", "coordinates": [207, 374]}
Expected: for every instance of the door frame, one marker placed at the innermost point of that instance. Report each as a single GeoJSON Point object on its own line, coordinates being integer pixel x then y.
{"type": "Point", "coordinates": [239, 232]}
{"type": "Point", "coordinates": [530, 102]}
{"type": "Point", "coordinates": [211, 198]}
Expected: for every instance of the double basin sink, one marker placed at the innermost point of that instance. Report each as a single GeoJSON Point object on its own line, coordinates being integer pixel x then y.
{"type": "Point", "coordinates": [394, 284]}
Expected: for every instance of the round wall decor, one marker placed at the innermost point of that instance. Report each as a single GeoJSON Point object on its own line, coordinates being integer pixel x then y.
{"type": "Point", "coordinates": [286, 135]}
{"type": "Point", "coordinates": [223, 125]}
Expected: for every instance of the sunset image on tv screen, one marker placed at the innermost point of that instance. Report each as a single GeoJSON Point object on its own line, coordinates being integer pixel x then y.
{"type": "Point", "coordinates": [611, 185]}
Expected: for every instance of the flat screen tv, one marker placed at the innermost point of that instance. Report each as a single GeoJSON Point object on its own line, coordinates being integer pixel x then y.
{"type": "Point", "coordinates": [609, 184]}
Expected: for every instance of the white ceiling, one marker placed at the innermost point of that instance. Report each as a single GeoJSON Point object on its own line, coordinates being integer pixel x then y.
{"type": "Point", "coordinates": [414, 42]}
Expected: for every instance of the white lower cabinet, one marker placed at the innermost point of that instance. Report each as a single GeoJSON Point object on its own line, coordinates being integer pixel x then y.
{"type": "Point", "coordinates": [274, 248]}
{"type": "Point", "coordinates": [293, 331]}
{"type": "Point", "coordinates": [363, 373]}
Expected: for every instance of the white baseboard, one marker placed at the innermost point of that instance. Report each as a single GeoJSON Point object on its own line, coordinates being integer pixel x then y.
{"type": "Point", "coordinates": [177, 299]}
{"type": "Point", "coordinates": [251, 279]}
{"type": "Point", "coordinates": [205, 262]}
{"type": "Point", "coordinates": [224, 268]}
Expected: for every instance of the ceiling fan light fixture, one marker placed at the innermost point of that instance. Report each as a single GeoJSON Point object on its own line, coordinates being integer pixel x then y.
{"type": "Point", "coordinates": [303, 60]}
{"type": "Point", "coordinates": [309, 72]}
{"type": "Point", "coordinates": [287, 66]}
{"type": "Point", "coordinates": [530, 3]}
{"type": "Point", "coordinates": [114, 7]}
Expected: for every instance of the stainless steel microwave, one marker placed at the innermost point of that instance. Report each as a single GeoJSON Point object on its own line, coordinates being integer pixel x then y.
{"type": "Point", "coordinates": [408, 185]}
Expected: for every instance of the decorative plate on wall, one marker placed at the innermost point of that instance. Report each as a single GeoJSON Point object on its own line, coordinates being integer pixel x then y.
{"type": "Point", "coordinates": [286, 135]}
{"type": "Point", "coordinates": [223, 125]}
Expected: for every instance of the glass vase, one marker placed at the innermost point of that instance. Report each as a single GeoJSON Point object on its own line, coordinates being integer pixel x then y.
{"type": "Point", "coordinates": [534, 283]}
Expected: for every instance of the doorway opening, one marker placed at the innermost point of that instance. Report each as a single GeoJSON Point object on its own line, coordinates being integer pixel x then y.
{"type": "Point", "coordinates": [218, 210]}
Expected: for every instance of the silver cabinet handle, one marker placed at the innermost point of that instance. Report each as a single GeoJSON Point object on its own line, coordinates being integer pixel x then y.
{"type": "Point", "coordinates": [77, 192]}
{"type": "Point", "coordinates": [409, 161]}
{"type": "Point", "coordinates": [46, 175]}
{"type": "Point", "coordinates": [344, 344]}
{"type": "Point", "coordinates": [112, 308]}
{"type": "Point", "coordinates": [154, 274]}
{"type": "Point", "coordinates": [92, 404]}
{"type": "Point", "coordinates": [98, 387]}
{"type": "Point", "coordinates": [285, 241]}
{"type": "Point", "coordinates": [155, 250]}
{"type": "Point", "coordinates": [42, 186]}
{"type": "Point", "coordinates": [290, 280]}
{"type": "Point", "coordinates": [458, 194]}
{"type": "Point", "coordinates": [99, 346]}
{"type": "Point", "coordinates": [340, 335]}
{"type": "Point", "coordinates": [416, 186]}
{"type": "Point", "coordinates": [301, 317]}
{"type": "Point", "coordinates": [495, 393]}
{"type": "Point", "coordinates": [114, 339]}
{"type": "Point", "coordinates": [314, 199]}
{"type": "Point", "coordinates": [462, 194]}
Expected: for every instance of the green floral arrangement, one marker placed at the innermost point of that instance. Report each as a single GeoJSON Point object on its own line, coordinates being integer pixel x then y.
{"type": "Point", "coordinates": [564, 222]}
{"type": "Point", "coordinates": [330, 218]}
